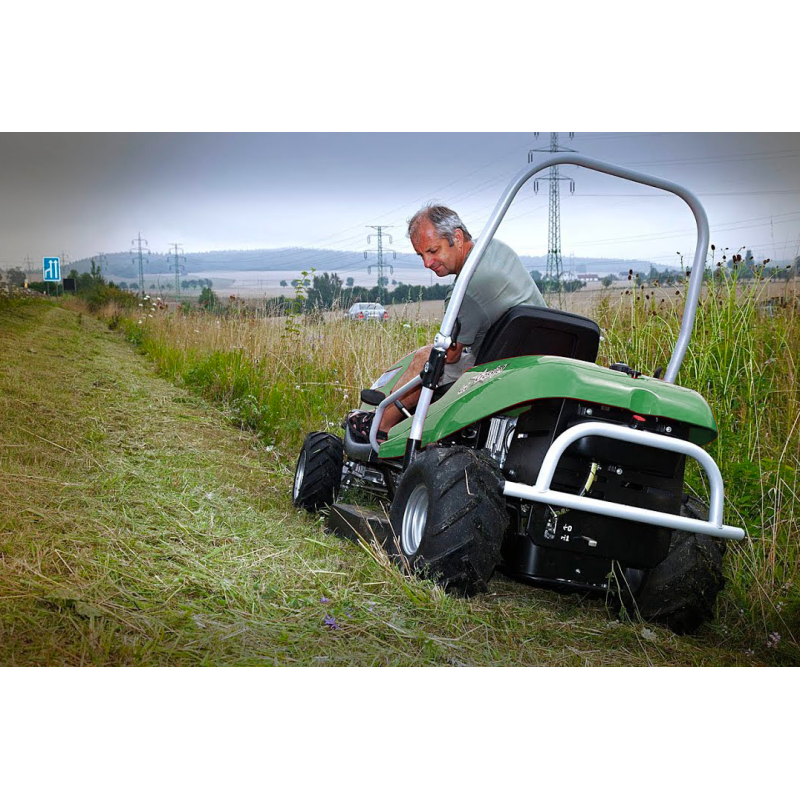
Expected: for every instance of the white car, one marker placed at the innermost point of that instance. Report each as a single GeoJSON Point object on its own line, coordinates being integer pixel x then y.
{"type": "Point", "coordinates": [367, 311]}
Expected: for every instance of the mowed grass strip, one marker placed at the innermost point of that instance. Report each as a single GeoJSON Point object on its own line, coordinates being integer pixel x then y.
{"type": "Point", "coordinates": [138, 526]}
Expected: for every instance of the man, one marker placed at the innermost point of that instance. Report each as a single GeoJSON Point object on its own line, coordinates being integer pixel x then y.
{"type": "Point", "coordinates": [499, 283]}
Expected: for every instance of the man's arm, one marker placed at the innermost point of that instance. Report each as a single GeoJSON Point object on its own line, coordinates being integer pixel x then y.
{"type": "Point", "coordinates": [453, 354]}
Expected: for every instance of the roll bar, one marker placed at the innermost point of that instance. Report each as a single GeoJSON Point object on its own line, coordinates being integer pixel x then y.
{"type": "Point", "coordinates": [443, 338]}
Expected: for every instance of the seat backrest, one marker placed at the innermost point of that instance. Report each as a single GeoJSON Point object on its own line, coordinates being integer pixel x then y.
{"type": "Point", "coordinates": [539, 331]}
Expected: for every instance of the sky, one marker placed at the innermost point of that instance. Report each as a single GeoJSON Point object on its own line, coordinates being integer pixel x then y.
{"type": "Point", "coordinates": [84, 193]}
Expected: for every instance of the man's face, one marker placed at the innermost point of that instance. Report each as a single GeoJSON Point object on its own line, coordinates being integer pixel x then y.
{"type": "Point", "coordinates": [436, 252]}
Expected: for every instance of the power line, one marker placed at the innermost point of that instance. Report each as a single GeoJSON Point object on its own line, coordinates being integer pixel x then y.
{"type": "Point", "coordinates": [177, 257]}
{"type": "Point", "coordinates": [101, 261]}
{"type": "Point", "coordinates": [140, 251]}
{"type": "Point", "coordinates": [555, 268]}
{"type": "Point", "coordinates": [380, 264]}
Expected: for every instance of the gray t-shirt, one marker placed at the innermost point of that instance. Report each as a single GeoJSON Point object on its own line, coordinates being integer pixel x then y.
{"type": "Point", "coordinates": [499, 283]}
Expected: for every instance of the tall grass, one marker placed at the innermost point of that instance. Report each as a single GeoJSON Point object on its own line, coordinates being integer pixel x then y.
{"type": "Point", "coordinates": [743, 358]}
{"type": "Point", "coordinates": [285, 377]}
{"type": "Point", "coordinates": [280, 376]}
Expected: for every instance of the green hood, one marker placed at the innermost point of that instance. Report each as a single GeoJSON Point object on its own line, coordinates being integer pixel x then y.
{"type": "Point", "coordinates": [489, 389]}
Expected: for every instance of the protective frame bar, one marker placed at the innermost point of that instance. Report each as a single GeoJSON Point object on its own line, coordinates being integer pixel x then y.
{"type": "Point", "coordinates": [542, 493]}
{"type": "Point", "coordinates": [443, 338]}
{"type": "Point", "coordinates": [395, 395]}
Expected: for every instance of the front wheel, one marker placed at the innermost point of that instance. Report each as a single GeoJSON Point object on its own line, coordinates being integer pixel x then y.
{"type": "Point", "coordinates": [318, 474]}
{"type": "Point", "coordinates": [681, 591]}
{"type": "Point", "coordinates": [448, 519]}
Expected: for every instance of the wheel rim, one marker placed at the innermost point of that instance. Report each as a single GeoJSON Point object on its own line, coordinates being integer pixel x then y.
{"type": "Point", "coordinates": [298, 475]}
{"type": "Point", "coordinates": [415, 517]}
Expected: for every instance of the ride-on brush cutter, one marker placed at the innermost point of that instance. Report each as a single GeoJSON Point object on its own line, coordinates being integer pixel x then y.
{"type": "Point", "coordinates": [538, 462]}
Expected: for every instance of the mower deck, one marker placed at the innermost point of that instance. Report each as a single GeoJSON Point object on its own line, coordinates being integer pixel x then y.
{"type": "Point", "coordinates": [354, 523]}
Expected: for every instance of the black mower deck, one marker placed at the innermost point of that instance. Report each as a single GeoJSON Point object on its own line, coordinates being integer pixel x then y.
{"type": "Point", "coordinates": [354, 523]}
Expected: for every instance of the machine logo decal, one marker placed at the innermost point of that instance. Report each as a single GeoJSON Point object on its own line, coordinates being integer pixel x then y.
{"type": "Point", "coordinates": [480, 377]}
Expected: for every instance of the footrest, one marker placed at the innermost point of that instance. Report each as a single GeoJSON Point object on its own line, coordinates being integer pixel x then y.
{"type": "Point", "coordinates": [354, 523]}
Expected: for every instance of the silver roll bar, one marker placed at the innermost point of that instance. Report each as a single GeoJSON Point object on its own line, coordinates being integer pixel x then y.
{"type": "Point", "coordinates": [692, 296]}
{"type": "Point", "coordinates": [443, 338]}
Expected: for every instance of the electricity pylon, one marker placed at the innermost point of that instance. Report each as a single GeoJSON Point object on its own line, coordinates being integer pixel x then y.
{"type": "Point", "coordinates": [177, 256]}
{"type": "Point", "coordinates": [555, 269]}
{"type": "Point", "coordinates": [141, 258]}
{"type": "Point", "coordinates": [380, 265]}
{"type": "Point", "coordinates": [100, 261]}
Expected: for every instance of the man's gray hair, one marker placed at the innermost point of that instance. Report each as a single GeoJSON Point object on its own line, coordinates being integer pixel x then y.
{"type": "Point", "coordinates": [445, 221]}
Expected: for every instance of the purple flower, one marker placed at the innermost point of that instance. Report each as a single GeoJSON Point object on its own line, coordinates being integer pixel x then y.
{"type": "Point", "coordinates": [774, 638]}
{"type": "Point", "coordinates": [324, 600]}
{"type": "Point", "coordinates": [331, 623]}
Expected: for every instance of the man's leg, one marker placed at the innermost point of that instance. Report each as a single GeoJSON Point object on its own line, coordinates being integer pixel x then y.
{"type": "Point", "coordinates": [392, 415]}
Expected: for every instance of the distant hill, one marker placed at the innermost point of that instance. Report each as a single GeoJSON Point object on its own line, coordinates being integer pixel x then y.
{"type": "Point", "coordinates": [122, 265]}
{"type": "Point", "coordinates": [601, 266]}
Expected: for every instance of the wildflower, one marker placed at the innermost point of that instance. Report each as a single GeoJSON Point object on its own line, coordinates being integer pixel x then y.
{"type": "Point", "coordinates": [324, 600]}
{"type": "Point", "coordinates": [371, 605]}
{"type": "Point", "coordinates": [774, 639]}
{"type": "Point", "coordinates": [749, 652]}
{"type": "Point", "coordinates": [140, 322]}
{"type": "Point", "coordinates": [331, 623]}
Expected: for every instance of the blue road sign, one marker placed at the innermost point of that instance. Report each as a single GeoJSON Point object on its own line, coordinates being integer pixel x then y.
{"type": "Point", "coordinates": [52, 269]}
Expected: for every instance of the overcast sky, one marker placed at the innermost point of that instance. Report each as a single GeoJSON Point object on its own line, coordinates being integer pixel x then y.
{"type": "Point", "coordinates": [86, 193]}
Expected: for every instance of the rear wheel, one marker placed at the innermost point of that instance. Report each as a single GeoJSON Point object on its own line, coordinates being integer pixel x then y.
{"type": "Point", "coordinates": [318, 474]}
{"type": "Point", "coordinates": [681, 591]}
{"type": "Point", "coordinates": [448, 519]}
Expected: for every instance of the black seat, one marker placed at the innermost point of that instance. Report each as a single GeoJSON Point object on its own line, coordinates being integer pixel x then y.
{"type": "Point", "coordinates": [539, 331]}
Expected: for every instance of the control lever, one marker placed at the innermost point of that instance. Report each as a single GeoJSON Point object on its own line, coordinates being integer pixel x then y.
{"type": "Point", "coordinates": [402, 409]}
